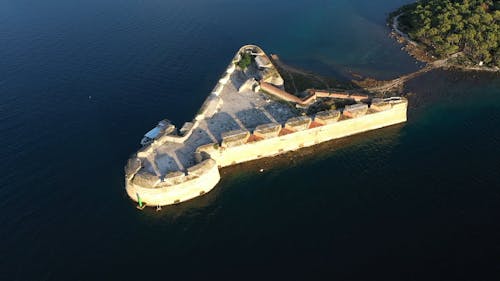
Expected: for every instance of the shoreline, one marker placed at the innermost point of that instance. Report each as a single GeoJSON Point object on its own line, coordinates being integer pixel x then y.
{"type": "Point", "coordinates": [415, 49]}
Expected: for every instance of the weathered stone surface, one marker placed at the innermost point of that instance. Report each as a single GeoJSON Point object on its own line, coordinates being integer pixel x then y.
{"type": "Point", "coordinates": [327, 116]}
{"type": "Point", "coordinates": [174, 178]}
{"type": "Point", "coordinates": [210, 106]}
{"type": "Point", "coordinates": [355, 110]}
{"type": "Point", "coordinates": [234, 138]}
{"type": "Point", "coordinates": [250, 84]}
{"type": "Point", "coordinates": [201, 168]}
{"type": "Point", "coordinates": [134, 164]}
{"type": "Point", "coordinates": [262, 61]}
{"type": "Point", "coordinates": [298, 123]}
{"type": "Point", "coordinates": [267, 131]}
{"type": "Point", "coordinates": [380, 105]}
{"type": "Point", "coordinates": [186, 128]}
{"type": "Point", "coordinates": [217, 89]}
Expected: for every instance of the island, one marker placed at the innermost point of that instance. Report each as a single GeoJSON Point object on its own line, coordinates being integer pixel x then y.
{"type": "Point", "coordinates": [247, 116]}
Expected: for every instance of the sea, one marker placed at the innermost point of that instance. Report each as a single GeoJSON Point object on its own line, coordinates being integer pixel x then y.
{"type": "Point", "coordinates": [82, 81]}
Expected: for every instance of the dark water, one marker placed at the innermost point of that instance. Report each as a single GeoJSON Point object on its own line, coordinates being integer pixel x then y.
{"type": "Point", "coordinates": [81, 81]}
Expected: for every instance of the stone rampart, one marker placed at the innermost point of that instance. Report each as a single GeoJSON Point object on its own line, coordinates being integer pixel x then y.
{"type": "Point", "coordinates": [202, 178]}
{"type": "Point", "coordinates": [226, 156]}
{"type": "Point", "coordinates": [327, 117]}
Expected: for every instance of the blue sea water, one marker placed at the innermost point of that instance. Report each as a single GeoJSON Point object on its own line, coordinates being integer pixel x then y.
{"type": "Point", "coordinates": [82, 81]}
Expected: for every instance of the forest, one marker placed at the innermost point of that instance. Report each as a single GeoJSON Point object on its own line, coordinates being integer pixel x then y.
{"type": "Point", "coordinates": [446, 27]}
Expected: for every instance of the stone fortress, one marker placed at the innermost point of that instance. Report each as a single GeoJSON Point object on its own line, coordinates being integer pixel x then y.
{"type": "Point", "coordinates": [247, 116]}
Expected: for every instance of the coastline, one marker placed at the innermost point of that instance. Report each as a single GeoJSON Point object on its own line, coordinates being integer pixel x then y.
{"type": "Point", "coordinates": [417, 51]}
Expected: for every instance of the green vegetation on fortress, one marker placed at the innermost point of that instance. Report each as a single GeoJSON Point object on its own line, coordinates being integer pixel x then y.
{"type": "Point", "coordinates": [245, 61]}
{"type": "Point", "coordinates": [446, 27]}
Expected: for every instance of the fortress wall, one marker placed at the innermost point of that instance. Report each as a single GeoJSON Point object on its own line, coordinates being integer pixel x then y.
{"type": "Point", "coordinates": [339, 95]}
{"type": "Point", "coordinates": [273, 146]}
{"type": "Point", "coordinates": [266, 141]}
{"type": "Point", "coordinates": [268, 88]}
{"type": "Point", "coordinates": [182, 191]}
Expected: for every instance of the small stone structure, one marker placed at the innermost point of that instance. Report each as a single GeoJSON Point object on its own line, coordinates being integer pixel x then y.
{"type": "Point", "coordinates": [146, 179]}
{"type": "Point", "coordinates": [300, 123]}
{"type": "Point", "coordinates": [263, 62]}
{"type": "Point", "coordinates": [380, 105]}
{"type": "Point", "coordinates": [355, 110]}
{"type": "Point", "coordinates": [267, 131]}
{"type": "Point", "coordinates": [327, 117]}
{"type": "Point", "coordinates": [188, 126]}
{"type": "Point", "coordinates": [234, 138]}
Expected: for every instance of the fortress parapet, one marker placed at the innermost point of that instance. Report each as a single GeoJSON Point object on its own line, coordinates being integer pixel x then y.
{"type": "Point", "coordinates": [327, 117]}
{"type": "Point", "coordinates": [173, 178]}
{"type": "Point", "coordinates": [234, 138]}
{"type": "Point", "coordinates": [300, 123]}
{"type": "Point", "coordinates": [146, 179]}
{"type": "Point", "coordinates": [381, 104]}
{"type": "Point", "coordinates": [355, 110]}
{"type": "Point", "coordinates": [267, 131]}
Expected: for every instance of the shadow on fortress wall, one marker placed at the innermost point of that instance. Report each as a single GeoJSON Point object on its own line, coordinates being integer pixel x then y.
{"type": "Point", "coordinates": [278, 113]}
{"type": "Point", "coordinates": [222, 122]}
{"type": "Point", "coordinates": [237, 79]}
{"type": "Point", "coordinates": [185, 153]}
{"type": "Point", "coordinates": [167, 163]}
{"type": "Point", "coordinates": [318, 152]}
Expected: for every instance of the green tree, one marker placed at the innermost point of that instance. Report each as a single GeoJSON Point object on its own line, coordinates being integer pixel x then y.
{"type": "Point", "coordinates": [445, 27]}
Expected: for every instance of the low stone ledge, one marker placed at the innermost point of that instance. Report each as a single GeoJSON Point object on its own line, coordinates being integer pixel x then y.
{"type": "Point", "coordinates": [174, 178]}
{"type": "Point", "coordinates": [209, 107]}
{"type": "Point", "coordinates": [300, 123]}
{"type": "Point", "coordinates": [267, 131]}
{"type": "Point", "coordinates": [327, 117]}
{"type": "Point", "coordinates": [188, 126]}
{"type": "Point", "coordinates": [248, 85]}
{"type": "Point", "coordinates": [217, 89]}
{"type": "Point", "coordinates": [208, 148]}
{"type": "Point", "coordinates": [146, 179]}
{"type": "Point", "coordinates": [225, 79]}
{"type": "Point", "coordinates": [134, 164]}
{"type": "Point", "coordinates": [262, 61]}
{"type": "Point", "coordinates": [230, 68]}
{"type": "Point", "coordinates": [355, 110]}
{"type": "Point", "coordinates": [145, 151]}
{"type": "Point", "coordinates": [234, 138]}
{"type": "Point", "coordinates": [201, 168]}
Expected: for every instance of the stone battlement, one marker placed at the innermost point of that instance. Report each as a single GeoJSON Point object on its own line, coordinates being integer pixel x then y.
{"type": "Point", "coordinates": [304, 123]}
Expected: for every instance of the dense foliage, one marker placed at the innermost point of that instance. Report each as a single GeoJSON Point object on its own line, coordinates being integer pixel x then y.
{"type": "Point", "coordinates": [245, 61]}
{"type": "Point", "coordinates": [446, 27]}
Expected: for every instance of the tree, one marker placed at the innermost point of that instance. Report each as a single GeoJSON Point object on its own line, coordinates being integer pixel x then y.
{"type": "Point", "coordinates": [448, 26]}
